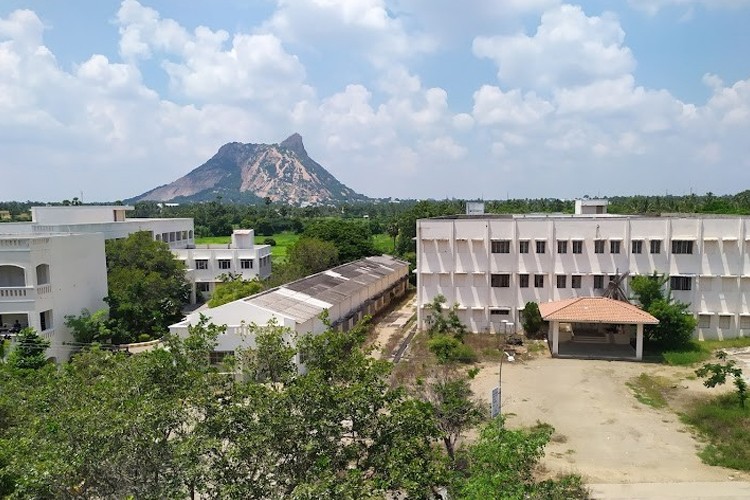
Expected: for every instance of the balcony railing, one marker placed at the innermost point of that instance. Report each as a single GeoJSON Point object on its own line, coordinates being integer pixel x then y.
{"type": "Point", "coordinates": [17, 292]}
{"type": "Point", "coordinates": [44, 289]}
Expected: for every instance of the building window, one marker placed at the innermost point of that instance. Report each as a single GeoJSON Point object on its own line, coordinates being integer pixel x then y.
{"type": "Point", "coordinates": [577, 246]}
{"type": "Point", "coordinates": [523, 247]}
{"type": "Point", "coordinates": [598, 281]}
{"type": "Point", "coordinates": [655, 246]}
{"type": "Point", "coordinates": [42, 274]}
{"type": "Point", "coordinates": [523, 281]}
{"type": "Point", "coordinates": [614, 246]}
{"type": "Point", "coordinates": [498, 312]}
{"type": "Point", "coordinates": [681, 282]}
{"type": "Point", "coordinates": [562, 246]}
{"type": "Point", "coordinates": [500, 246]}
{"type": "Point", "coordinates": [725, 322]}
{"type": "Point", "coordinates": [225, 264]}
{"type": "Point", "coordinates": [246, 263]}
{"type": "Point", "coordinates": [599, 246]}
{"type": "Point", "coordinates": [500, 280]}
{"type": "Point", "coordinates": [541, 246]}
{"type": "Point", "coordinates": [538, 281]}
{"type": "Point", "coordinates": [201, 263]}
{"type": "Point", "coordinates": [171, 237]}
{"type": "Point", "coordinates": [575, 282]}
{"type": "Point", "coordinates": [45, 320]}
{"type": "Point", "coordinates": [637, 246]}
{"type": "Point", "coordinates": [682, 246]}
{"type": "Point", "coordinates": [202, 286]}
{"type": "Point", "coordinates": [745, 322]}
{"type": "Point", "coordinates": [217, 357]}
{"type": "Point", "coordinates": [562, 281]}
{"type": "Point", "coordinates": [704, 321]}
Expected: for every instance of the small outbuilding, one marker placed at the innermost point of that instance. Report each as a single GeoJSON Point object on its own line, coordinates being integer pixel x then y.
{"type": "Point", "coordinates": [596, 328]}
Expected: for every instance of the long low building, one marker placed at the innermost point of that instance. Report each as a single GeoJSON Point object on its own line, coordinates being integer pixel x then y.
{"type": "Point", "coordinates": [347, 292]}
{"type": "Point", "coordinates": [491, 265]}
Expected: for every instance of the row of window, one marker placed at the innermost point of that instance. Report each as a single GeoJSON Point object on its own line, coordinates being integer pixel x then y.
{"type": "Point", "coordinates": [725, 321]}
{"type": "Point", "coordinates": [174, 236]}
{"type": "Point", "coordinates": [561, 281]}
{"type": "Point", "coordinates": [224, 263]}
{"type": "Point", "coordinates": [615, 246]}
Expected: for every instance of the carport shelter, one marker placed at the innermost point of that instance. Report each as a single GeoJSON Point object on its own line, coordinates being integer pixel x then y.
{"type": "Point", "coordinates": [595, 327]}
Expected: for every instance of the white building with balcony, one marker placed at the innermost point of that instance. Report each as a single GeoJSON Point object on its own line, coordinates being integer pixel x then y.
{"type": "Point", "coordinates": [347, 292]}
{"type": "Point", "coordinates": [206, 263]}
{"type": "Point", "coordinates": [492, 265]}
{"type": "Point", "coordinates": [44, 278]}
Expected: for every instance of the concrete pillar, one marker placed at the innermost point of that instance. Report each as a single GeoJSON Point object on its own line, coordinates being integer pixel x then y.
{"type": "Point", "coordinates": [555, 326]}
{"type": "Point", "coordinates": [639, 342]}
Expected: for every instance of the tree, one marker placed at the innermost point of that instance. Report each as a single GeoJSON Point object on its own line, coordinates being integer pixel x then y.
{"type": "Point", "coordinates": [29, 350]}
{"type": "Point", "coordinates": [272, 359]}
{"type": "Point", "coordinates": [717, 373]}
{"type": "Point", "coordinates": [532, 319]}
{"type": "Point", "coordinates": [676, 324]}
{"type": "Point", "coordinates": [392, 231]}
{"type": "Point", "coordinates": [446, 332]}
{"type": "Point", "coordinates": [147, 287]}
{"type": "Point", "coordinates": [352, 238]}
{"type": "Point", "coordinates": [88, 328]}
{"type": "Point", "coordinates": [455, 410]}
{"type": "Point", "coordinates": [311, 255]}
{"type": "Point", "coordinates": [234, 287]}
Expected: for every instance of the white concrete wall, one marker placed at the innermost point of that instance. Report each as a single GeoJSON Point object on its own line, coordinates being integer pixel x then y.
{"type": "Point", "coordinates": [77, 280]}
{"type": "Point", "coordinates": [78, 214]}
{"type": "Point", "coordinates": [454, 259]}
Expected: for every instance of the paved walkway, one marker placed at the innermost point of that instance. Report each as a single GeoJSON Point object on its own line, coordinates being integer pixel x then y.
{"type": "Point", "coordinates": [684, 491]}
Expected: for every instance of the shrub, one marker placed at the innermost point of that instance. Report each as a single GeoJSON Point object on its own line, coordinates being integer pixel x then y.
{"type": "Point", "coordinates": [448, 349]}
{"type": "Point", "coordinates": [532, 319]}
{"type": "Point", "coordinates": [269, 241]}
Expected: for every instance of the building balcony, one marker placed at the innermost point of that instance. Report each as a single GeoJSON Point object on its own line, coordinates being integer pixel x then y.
{"type": "Point", "coordinates": [17, 293]}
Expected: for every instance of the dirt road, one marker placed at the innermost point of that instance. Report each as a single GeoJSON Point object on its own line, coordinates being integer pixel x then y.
{"type": "Point", "coordinates": [602, 431]}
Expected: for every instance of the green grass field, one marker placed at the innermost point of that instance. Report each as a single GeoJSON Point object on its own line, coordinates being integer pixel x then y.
{"type": "Point", "coordinates": [383, 243]}
{"type": "Point", "coordinates": [695, 352]}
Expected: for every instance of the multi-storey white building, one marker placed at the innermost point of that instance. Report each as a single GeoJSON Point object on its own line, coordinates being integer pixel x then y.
{"type": "Point", "coordinates": [347, 293]}
{"type": "Point", "coordinates": [44, 278]}
{"type": "Point", "coordinates": [205, 263]}
{"type": "Point", "coordinates": [492, 265]}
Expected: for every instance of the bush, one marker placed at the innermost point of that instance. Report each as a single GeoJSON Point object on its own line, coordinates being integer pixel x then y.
{"type": "Point", "coordinates": [449, 349]}
{"type": "Point", "coordinates": [532, 319]}
{"type": "Point", "coordinates": [144, 337]}
{"type": "Point", "coordinates": [269, 241]}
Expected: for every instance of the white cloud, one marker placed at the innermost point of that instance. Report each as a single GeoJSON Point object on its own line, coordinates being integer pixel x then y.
{"type": "Point", "coordinates": [492, 106]}
{"type": "Point", "coordinates": [568, 49]}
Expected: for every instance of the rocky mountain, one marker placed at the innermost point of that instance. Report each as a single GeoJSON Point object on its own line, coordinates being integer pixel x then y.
{"type": "Point", "coordinates": [247, 173]}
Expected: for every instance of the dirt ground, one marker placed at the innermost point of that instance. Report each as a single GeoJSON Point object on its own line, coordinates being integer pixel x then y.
{"type": "Point", "coordinates": [601, 431]}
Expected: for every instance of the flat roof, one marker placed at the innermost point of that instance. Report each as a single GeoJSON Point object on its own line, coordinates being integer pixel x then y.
{"type": "Point", "coordinates": [595, 310]}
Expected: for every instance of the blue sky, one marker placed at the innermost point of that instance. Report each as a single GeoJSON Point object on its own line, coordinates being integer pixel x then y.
{"type": "Point", "coordinates": [401, 98]}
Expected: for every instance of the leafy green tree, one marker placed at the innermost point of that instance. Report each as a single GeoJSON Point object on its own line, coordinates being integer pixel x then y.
{"type": "Point", "coordinates": [676, 324]}
{"type": "Point", "coordinates": [446, 332]}
{"type": "Point", "coordinates": [532, 319]}
{"type": "Point", "coordinates": [29, 351]}
{"type": "Point", "coordinates": [88, 328]}
{"type": "Point", "coordinates": [147, 287]}
{"type": "Point", "coordinates": [455, 410]}
{"type": "Point", "coordinates": [717, 373]}
{"type": "Point", "coordinates": [234, 287]}
{"type": "Point", "coordinates": [502, 463]}
{"type": "Point", "coordinates": [311, 255]}
{"type": "Point", "coordinates": [352, 238]}
{"type": "Point", "coordinates": [272, 359]}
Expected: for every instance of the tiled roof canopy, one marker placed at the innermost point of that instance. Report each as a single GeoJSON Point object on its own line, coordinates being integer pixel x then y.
{"type": "Point", "coordinates": [595, 310]}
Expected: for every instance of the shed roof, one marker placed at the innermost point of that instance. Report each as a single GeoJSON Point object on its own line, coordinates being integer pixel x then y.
{"type": "Point", "coordinates": [306, 298]}
{"type": "Point", "coordinates": [595, 310]}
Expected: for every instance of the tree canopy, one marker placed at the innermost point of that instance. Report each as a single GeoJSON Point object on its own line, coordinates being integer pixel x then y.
{"type": "Point", "coordinates": [676, 323]}
{"type": "Point", "coordinates": [147, 287]}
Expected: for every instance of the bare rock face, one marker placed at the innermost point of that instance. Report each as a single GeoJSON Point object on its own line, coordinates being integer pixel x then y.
{"type": "Point", "coordinates": [251, 172]}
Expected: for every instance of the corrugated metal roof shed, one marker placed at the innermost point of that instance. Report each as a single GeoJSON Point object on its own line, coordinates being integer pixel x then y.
{"type": "Point", "coordinates": [306, 298]}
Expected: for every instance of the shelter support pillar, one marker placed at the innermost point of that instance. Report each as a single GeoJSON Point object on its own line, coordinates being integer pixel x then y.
{"type": "Point", "coordinates": [555, 327]}
{"type": "Point", "coordinates": [639, 342]}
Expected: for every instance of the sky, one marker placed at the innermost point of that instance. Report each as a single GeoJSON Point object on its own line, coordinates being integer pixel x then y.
{"type": "Point", "coordinates": [106, 99]}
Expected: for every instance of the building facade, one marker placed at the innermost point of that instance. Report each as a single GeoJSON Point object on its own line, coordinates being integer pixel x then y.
{"type": "Point", "coordinates": [242, 257]}
{"type": "Point", "coordinates": [44, 278]}
{"type": "Point", "coordinates": [347, 292]}
{"type": "Point", "coordinates": [492, 265]}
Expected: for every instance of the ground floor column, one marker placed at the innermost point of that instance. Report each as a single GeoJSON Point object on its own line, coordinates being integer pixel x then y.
{"type": "Point", "coordinates": [639, 342]}
{"type": "Point", "coordinates": [555, 327]}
